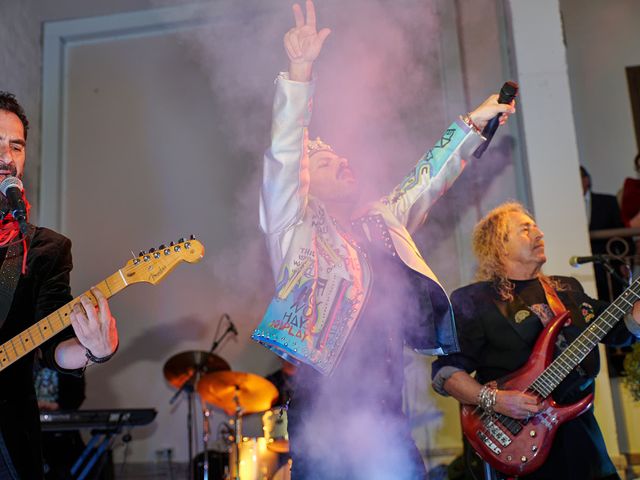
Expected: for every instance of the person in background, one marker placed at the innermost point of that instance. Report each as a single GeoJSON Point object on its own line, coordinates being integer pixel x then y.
{"type": "Point", "coordinates": [283, 381]}
{"type": "Point", "coordinates": [603, 213]}
{"type": "Point", "coordinates": [56, 391]}
{"type": "Point", "coordinates": [630, 198]}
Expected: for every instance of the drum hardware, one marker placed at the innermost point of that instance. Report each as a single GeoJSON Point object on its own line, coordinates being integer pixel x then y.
{"type": "Point", "coordinates": [238, 394]}
{"type": "Point", "coordinates": [274, 425]}
{"type": "Point", "coordinates": [184, 371]}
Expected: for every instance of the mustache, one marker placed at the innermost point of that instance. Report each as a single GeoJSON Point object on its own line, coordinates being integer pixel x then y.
{"type": "Point", "coordinates": [11, 168]}
{"type": "Point", "coordinates": [342, 169]}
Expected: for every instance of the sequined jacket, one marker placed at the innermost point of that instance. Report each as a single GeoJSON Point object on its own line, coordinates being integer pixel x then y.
{"type": "Point", "coordinates": [322, 279]}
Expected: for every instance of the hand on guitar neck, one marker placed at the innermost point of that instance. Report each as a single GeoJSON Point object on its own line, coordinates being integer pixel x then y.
{"type": "Point", "coordinates": [95, 330]}
{"type": "Point", "coordinates": [89, 315]}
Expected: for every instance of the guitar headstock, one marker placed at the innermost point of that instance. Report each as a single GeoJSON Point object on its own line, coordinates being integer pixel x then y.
{"type": "Point", "coordinates": [152, 266]}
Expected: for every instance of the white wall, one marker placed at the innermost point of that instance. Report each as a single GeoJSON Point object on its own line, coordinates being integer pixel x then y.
{"type": "Point", "coordinates": [602, 39]}
{"type": "Point", "coordinates": [21, 23]}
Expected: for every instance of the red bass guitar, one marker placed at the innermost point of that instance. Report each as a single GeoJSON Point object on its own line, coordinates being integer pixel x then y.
{"type": "Point", "coordinates": [518, 447]}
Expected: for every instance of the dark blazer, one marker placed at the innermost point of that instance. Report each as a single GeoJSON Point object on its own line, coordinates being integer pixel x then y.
{"type": "Point", "coordinates": [43, 289]}
{"type": "Point", "coordinates": [605, 212]}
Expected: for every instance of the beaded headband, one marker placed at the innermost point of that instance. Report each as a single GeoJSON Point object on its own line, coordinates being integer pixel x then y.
{"type": "Point", "coordinates": [317, 145]}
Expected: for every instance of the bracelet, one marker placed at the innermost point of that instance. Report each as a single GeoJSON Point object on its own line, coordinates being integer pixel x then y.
{"type": "Point", "coordinates": [104, 359]}
{"type": "Point", "coordinates": [487, 398]}
{"type": "Point", "coordinates": [466, 118]}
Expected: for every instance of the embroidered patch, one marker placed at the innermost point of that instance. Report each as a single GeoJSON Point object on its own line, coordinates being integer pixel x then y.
{"type": "Point", "coordinates": [543, 311]}
{"type": "Point", "coordinates": [587, 312]}
{"type": "Point", "coordinates": [521, 315]}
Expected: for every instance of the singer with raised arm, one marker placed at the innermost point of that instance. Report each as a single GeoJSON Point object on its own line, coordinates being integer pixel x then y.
{"type": "Point", "coordinates": [34, 281]}
{"type": "Point", "coordinates": [351, 286]}
{"type": "Point", "coordinates": [501, 321]}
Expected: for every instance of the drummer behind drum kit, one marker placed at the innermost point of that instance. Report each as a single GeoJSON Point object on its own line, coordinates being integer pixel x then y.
{"type": "Point", "coordinates": [237, 394]}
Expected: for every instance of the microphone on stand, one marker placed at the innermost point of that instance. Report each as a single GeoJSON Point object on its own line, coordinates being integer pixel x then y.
{"type": "Point", "coordinates": [577, 261]}
{"type": "Point", "coordinates": [230, 329]}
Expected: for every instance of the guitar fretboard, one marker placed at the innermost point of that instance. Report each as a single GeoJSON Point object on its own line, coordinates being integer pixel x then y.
{"type": "Point", "coordinates": [52, 324]}
{"type": "Point", "coordinates": [564, 363]}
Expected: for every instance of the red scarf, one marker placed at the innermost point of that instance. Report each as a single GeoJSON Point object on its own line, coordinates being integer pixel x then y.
{"type": "Point", "coordinates": [10, 231]}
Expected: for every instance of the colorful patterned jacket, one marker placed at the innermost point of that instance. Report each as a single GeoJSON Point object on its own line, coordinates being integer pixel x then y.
{"type": "Point", "coordinates": [322, 279]}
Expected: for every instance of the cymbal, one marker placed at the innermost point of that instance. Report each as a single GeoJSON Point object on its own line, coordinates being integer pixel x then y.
{"type": "Point", "coordinates": [254, 393]}
{"type": "Point", "coordinates": [182, 365]}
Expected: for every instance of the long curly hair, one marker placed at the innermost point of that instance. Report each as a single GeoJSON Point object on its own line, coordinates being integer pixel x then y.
{"type": "Point", "coordinates": [489, 245]}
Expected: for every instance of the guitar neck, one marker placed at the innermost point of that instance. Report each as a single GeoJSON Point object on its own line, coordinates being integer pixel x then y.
{"type": "Point", "coordinates": [569, 359]}
{"type": "Point", "coordinates": [54, 323]}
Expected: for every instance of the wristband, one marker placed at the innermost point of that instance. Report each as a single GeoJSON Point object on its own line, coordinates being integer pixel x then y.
{"type": "Point", "coordinates": [467, 120]}
{"type": "Point", "coordinates": [104, 359]}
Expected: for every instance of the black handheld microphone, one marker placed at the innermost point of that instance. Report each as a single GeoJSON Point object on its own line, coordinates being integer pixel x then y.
{"type": "Point", "coordinates": [11, 187]}
{"type": "Point", "coordinates": [577, 261]}
{"type": "Point", "coordinates": [508, 92]}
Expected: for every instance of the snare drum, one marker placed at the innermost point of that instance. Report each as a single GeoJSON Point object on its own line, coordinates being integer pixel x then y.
{"type": "Point", "coordinates": [274, 425]}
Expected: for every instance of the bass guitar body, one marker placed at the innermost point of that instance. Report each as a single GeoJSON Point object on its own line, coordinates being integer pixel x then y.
{"type": "Point", "coordinates": [518, 447]}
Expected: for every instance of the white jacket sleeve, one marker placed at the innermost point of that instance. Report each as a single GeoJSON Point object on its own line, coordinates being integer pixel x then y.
{"type": "Point", "coordinates": [285, 183]}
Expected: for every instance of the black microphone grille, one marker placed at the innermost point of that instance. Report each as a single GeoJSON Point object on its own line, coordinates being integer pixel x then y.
{"type": "Point", "coordinates": [9, 182]}
{"type": "Point", "coordinates": [508, 91]}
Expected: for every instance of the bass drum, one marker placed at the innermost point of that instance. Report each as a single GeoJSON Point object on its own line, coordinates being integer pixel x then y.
{"type": "Point", "coordinates": [218, 465]}
{"type": "Point", "coordinates": [257, 462]}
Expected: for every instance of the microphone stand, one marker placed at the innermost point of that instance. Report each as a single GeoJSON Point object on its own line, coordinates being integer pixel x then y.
{"type": "Point", "coordinates": [188, 387]}
{"type": "Point", "coordinates": [612, 271]}
{"type": "Point", "coordinates": [200, 366]}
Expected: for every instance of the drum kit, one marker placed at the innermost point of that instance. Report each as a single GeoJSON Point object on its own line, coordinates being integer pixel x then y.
{"type": "Point", "coordinates": [238, 395]}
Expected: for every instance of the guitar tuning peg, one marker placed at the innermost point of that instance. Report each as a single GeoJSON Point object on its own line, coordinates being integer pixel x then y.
{"type": "Point", "coordinates": [162, 247]}
{"type": "Point", "coordinates": [171, 244]}
{"type": "Point", "coordinates": [142, 253]}
{"type": "Point", "coordinates": [192, 237]}
{"type": "Point", "coordinates": [151, 250]}
{"type": "Point", "coordinates": [181, 240]}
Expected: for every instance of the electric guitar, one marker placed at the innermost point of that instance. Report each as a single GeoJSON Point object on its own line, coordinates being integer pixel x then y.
{"type": "Point", "coordinates": [148, 267]}
{"type": "Point", "coordinates": [518, 447]}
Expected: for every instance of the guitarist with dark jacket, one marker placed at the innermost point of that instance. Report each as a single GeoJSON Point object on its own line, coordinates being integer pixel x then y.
{"type": "Point", "coordinates": [499, 320]}
{"type": "Point", "coordinates": [35, 264]}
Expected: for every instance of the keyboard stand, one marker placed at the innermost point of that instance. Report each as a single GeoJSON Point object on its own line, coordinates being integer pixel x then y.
{"type": "Point", "coordinates": [97, 447]}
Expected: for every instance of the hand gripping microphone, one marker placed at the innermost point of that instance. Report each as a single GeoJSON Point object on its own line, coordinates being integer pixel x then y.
{"type": "Point", "coordinates": [508, 92]}
{"type": "Point", "coordinates": [11, 187]}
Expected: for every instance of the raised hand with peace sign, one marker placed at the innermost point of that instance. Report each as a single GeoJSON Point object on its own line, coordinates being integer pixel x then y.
{"type": "Point", "coordinates": [303, 43]}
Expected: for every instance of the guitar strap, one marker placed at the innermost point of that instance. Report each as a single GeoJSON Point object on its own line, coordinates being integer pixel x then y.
{"type": "Point", "coordinates": [10, 274]}
{"type": "Point", "coordinates": [556, 305]}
